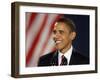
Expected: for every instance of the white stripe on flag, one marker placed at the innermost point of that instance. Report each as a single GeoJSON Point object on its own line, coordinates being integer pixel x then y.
{"type": "Point", "coordinates": [34, 30]}
{"type": "Point", "coordinates": [32, 33]}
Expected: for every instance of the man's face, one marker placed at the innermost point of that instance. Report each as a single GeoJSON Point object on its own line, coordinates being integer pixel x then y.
{"type": "Point", "coordinates": [62, 36]}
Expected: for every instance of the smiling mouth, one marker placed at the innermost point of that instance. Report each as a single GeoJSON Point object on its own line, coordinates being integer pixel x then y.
{"type": "Point", "coordinates": [57, 42]}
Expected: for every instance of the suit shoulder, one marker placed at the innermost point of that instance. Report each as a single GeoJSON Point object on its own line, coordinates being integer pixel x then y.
{"type": "Point", "coordinates": [79, 54]}
{"type": "Point", "coordinates": [79, 58]}
{"type": "Point", "coordinates": [45, 59]}
{"type": "Point", "coordinates": [48, 55]}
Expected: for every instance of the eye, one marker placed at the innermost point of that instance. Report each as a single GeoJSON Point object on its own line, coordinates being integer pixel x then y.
{"type": "Point", "coordinates": [61, 31]}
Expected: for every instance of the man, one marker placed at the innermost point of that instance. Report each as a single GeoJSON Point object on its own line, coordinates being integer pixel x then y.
{"type": "Point", "coordinates": [64, 33]}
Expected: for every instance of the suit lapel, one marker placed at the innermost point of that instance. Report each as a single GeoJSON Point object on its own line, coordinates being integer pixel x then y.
{"type": "Point", "coordinates": [73, 57]}
{"type": "Point", "coordinates": [54, 61]}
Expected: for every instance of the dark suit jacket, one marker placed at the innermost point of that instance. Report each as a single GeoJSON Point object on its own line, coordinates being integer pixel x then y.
{"type": "Point", "coordinates": [51, 59]}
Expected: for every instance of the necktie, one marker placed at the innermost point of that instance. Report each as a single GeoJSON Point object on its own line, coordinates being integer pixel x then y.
{"type": "Point", "coordinates": [63, 60]}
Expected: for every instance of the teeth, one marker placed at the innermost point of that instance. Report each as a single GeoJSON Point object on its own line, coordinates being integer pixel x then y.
{"type": "Point", "coordinates": [58, 41]}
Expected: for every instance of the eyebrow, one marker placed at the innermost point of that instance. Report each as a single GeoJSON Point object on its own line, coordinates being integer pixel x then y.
{"type": "Point", "coordinates": [61, 30]}
{"type": "Point", "coordinates": [54, 31]}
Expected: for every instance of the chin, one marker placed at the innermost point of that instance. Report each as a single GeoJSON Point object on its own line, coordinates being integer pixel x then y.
{"type": "Point", "coordinates": [58, 48]}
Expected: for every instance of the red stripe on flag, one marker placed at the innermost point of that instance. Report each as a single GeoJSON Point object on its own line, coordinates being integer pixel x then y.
{"type": "Point", "coordinates": [34, 43]}
{"type": "Point", "coordinates": [31, 20]}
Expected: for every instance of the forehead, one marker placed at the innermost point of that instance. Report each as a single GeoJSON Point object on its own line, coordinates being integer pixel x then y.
{"type": "Point", "coordinates": [61, 25]}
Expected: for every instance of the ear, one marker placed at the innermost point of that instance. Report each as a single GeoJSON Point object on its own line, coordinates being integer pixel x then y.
{"type": "Point", "coordinates": [73, 35]}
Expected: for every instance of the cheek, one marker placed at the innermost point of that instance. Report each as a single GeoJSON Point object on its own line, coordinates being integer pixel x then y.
{"type": "Point", "coordinates": [64, 36]}
{"type": "Point", "coordinates": [67, 39]}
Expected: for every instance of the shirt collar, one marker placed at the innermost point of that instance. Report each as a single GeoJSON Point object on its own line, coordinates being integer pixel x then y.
{"type": "Point", "coordinates": [66, 54]}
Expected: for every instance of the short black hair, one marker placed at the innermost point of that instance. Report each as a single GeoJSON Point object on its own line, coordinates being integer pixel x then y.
{"type": "Point", "coordinates": [68, 22]}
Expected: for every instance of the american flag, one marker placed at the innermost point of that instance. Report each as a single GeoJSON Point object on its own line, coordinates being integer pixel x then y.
{"type": "Point", "coordinates": [38, 36]}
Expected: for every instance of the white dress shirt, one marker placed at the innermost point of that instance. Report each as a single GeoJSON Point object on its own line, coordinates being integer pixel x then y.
{"type": "Point", "coordinates": [66, 54]}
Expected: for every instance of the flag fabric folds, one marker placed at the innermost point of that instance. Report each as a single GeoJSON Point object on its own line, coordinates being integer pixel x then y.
{"type": "Point", "coordinates": [38, 36]}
